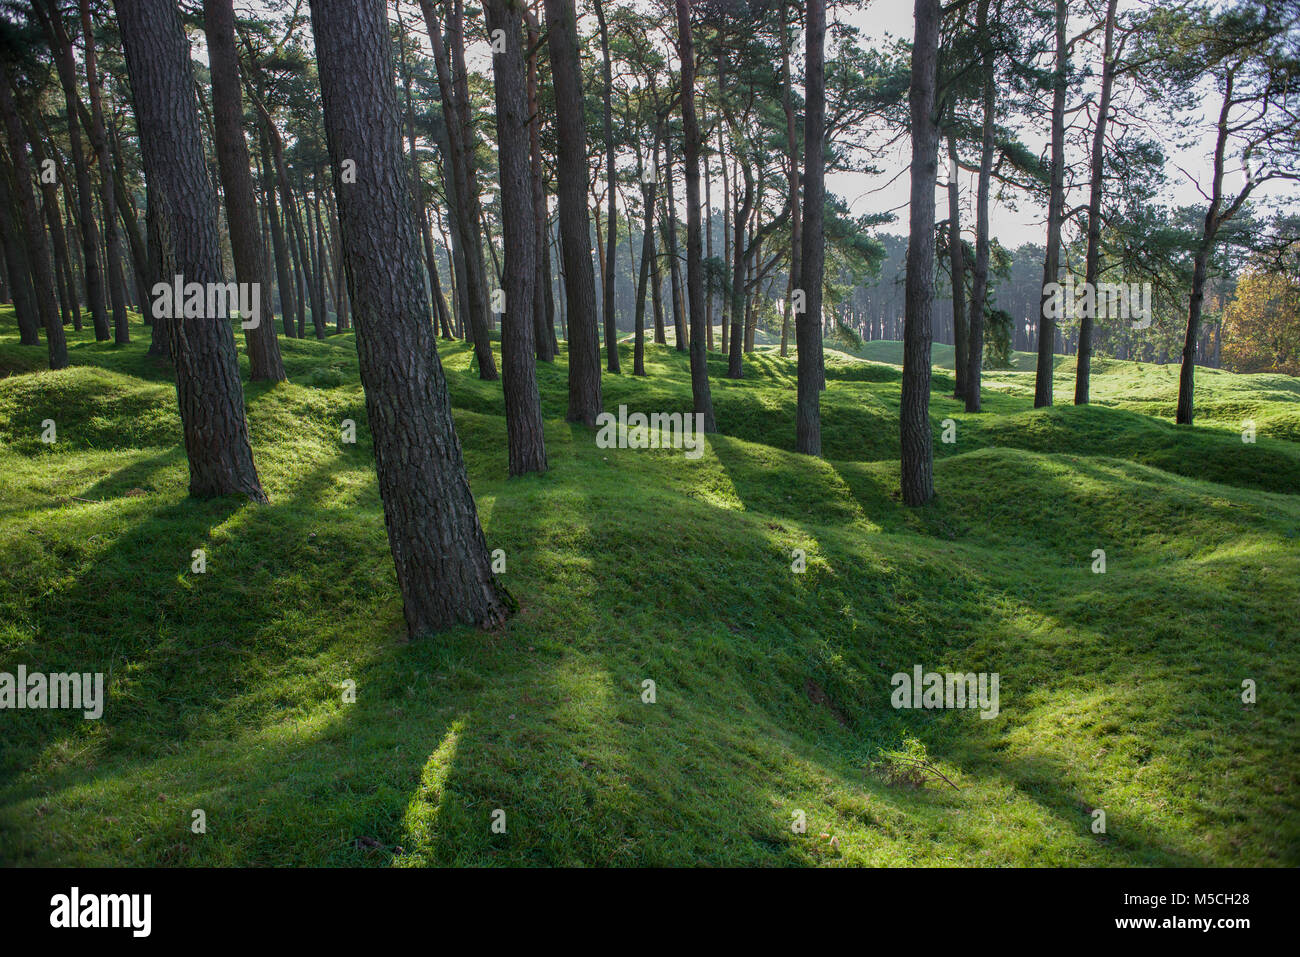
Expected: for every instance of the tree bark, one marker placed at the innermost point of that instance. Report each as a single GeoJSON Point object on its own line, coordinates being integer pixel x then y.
{"type": "Point", "coordinates": [20, 280]}
{"type": "Point", "coordinates": [526, 443]}
{"type": "Point", "coordinates": [265, 364]}
{"type": "Point", "coordinates": [1055, 213]}
{"type": "Point", "coordinates": [466, 213]}
{"type": "Point", "coordinates": [575, 226]}
{"type": "Point", "coordinates": [957, 266]}
{"type": "Point", "coordinates": [61, 46]}
{"type": "Point", "coordinates": [700, 394]}
{"type": "Point", "coordinates": [1092, 259]}
{"type": "Point", "coordinates": [38, 255]}
{"type": "Point", "coordinates": [441, 556]}
{"type": "Point", "coordinates": [915, 440]}
{"type": "Point", "coordinates": [808, 324]}
{"type": "Point", "coordinates": [611, 231]}
{"type": "Point", "coordinates": [99, 145]}
{"type": "Point", "coordinates": [182, 207]}
{"type": "Point", "coordinates": [980, 273]}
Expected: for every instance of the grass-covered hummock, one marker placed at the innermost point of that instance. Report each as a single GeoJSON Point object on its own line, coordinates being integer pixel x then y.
{"type": "Point", "coordinates": [1119, 691]}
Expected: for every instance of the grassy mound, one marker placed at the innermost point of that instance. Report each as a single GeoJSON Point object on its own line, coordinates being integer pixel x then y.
{"type": "Point", "coordinates": [1119, 691]}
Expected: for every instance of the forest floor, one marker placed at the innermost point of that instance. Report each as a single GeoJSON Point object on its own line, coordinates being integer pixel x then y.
{"type": "Point", "coordinates": [1119, 691]}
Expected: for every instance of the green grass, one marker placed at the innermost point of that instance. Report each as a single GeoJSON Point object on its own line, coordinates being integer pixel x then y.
{"type": "Point", "coordinates": [1119, 691]}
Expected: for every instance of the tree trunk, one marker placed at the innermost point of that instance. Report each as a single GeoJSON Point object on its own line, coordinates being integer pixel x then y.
{"type": "Point", "coordinates": [915, 440]}
{"type": "Point", "coordinates": [543, 304]}
{"type": "Point", "coordinates": [1092, 261]}
{"type": "Point", "coordinates": [21, 292]}
{"type": "Point", "coordinates": [647, 254]}
{"type": "Point", "coordinates": [438, 547]}
{"type": "Point", "coordinates": [701, 397]}
{"type": "Point", "coordinates": [808, 323]}
{"type": "Point", "coordinates": [525, 442]}
{"type": "Point", "coordinates": [611, 232]}
{"type": "Point", "coordinates": [265, 364]}
{"type": "Point", "coordinates": [792, 174]}
{"type": "Point", "coordinates": [182, 207]}
{"type": "Point", "coordinates": [1055, 212]}
{"type": "Point", "coordinates": [668, 224]}
{"type": "Point", "coordinates": [575, 227]}
{"type": "Point", "coordinates": [957, 266]}
{"type": "Point", "coordinates": [61, 46]}
{"type": "Point", "coordinates": [980, 274]}
{"type": "Point", "coordinates": [283, 268]}
{"type": "Point", "coordinates": [99, 145]}
{"type": "Point", "coordinates": [38, 255]}
{"type": "Point", "coordinates": [465, 214]}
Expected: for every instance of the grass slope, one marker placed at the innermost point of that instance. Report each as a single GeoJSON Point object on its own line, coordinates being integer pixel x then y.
{"type": "Point", "coordinates": [1119, 691]}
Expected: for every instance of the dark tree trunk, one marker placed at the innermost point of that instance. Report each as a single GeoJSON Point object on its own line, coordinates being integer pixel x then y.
{"type": "Point", "coordinates": [916, 442]}
{"type": "Point", "coordinates": [611, 232]}
{"type": "Point", "coordinates": [130, 225]}
{"type": "Point", "coordinates": [702, 399]}
{"type": "Point", "coordinates": [957, 266]}
{"type": "Point", "coordinates": [283, 266]}
{"type": "Point", "coordinates": [1055, 211]}
{"type": "Point", "coordinates": [980, 273]}
{"type": "Point", "coordinates": [543, 304]}
{"type": "Point", "coordinates": [61, 46]}
{"type": "Point", "coordinates": [38, 255]}
{"type": "Point", "coordinates": [808, 324]}
{"type": "Point", "coordinates": [575, 227]}
{"type": "Point", "coordinates": [1092, 259]}
{"type": "Point", "coordinates": [182, 205]}
{"type": "Point", "coordinates": [99, 144]}
{"type": "Point", "coordinates": [439, 551]}
{"type": "Point", "coordinates": [465, 214]}
{"type": "Point", "coordinates": [20, 280]}
{"type": "Point", "coordinates": [265, 364]}
{"type": "Point", "coordinates": [668, 224]}
{"type": "Point", "coordinates": [525, 440]}
{"type": "Point", "coordinates": [792, 175]}
{"type": "Point", "coordinates": [735, 366]}
{"type": "Point", "coordinates": [647, 254]}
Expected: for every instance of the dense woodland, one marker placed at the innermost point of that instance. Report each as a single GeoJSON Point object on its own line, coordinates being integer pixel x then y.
{"type": "Point", "coordinates": [562, 177]}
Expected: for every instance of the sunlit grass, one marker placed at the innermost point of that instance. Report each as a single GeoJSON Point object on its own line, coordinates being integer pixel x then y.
{"type": "Point", "coordinates": [1119, 692]}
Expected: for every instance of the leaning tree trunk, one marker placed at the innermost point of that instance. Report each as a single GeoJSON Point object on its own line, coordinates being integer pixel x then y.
{"type": "Point", "coordinates": [701, 397]}
{"type": "Point", "coordinates": [916, 442]}
{"type": "Point", "coordinates": [526, 445]}
{"type": "Point", "coordinates": [808, 323]}
{"type": "Point", "coordinates": [265, 364]}
{"type": "Point", "coordinates": [441, 556]}
{"type": "Point", "coordinates": [575, 226]}
{"type": "Point", "coordinates": [182, 206]}
{"type": "Point", "coordinates": [1055, 213]}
